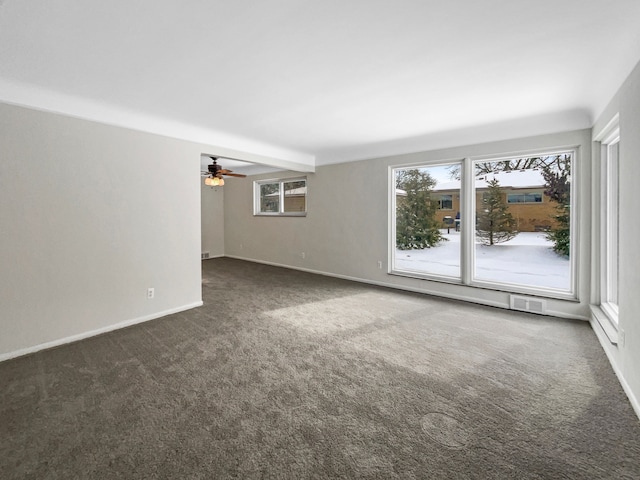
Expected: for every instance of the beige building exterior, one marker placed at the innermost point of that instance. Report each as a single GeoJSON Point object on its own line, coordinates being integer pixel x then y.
{"type": "Point", "coordinates": [523, 193]}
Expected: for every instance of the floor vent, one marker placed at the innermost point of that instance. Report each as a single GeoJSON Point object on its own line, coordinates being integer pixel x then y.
{"type": "Point", "coordinates": [204, 255]}
{"type": "Point", "coordinates": [527, 304]}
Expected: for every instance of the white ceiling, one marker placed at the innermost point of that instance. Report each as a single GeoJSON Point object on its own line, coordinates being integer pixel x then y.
{"type": "Point", "coordinates": [320, 81]}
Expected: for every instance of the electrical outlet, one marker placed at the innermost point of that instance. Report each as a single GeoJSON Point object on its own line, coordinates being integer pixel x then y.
{"type": "Point", "coordinates": [380, 264]}
{"type": "Point", "coordinates": [151, 292]}
{"type": "Point", "coordinates": [303, 255]}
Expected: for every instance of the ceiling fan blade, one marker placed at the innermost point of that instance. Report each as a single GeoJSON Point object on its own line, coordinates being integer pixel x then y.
{"type": "Point", "coordinates": [239, 175]}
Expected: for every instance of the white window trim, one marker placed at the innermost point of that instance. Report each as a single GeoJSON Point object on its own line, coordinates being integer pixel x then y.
{"type": "Point", "coordinates": [281, 213]}
{"type": "Point", "coordinates": [605, 311]}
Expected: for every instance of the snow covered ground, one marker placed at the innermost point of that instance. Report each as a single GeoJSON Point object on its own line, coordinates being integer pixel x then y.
{"type": "Point", "coordinates": [528, 259]}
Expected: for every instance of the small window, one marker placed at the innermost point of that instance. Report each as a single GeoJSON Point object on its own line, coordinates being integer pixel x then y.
{"type": "Point", "coordinates": [445, 202]}
{"type": "Point", "coordinates": [524, 198]}
{"type": "Point", "coordinates": [270, 198]}
{"type": "Point", "coordinates": [287, 197]}
{"type": "Point", "coordinates": [295, 196]}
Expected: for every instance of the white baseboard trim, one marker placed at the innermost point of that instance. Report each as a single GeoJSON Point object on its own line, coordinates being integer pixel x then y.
{"type": "Point", "coordinates": [568, 316]}
{"type": "Point", "coordinates": [451, 296]}
{"type": "Point", "coordinates": [463, 298]}
{"type": "Point", "coordinates": [608, 348]}
{"type": "Point", "coordinates": [93, 333]}
{"type": "Point", "coordinates": [610, 330]}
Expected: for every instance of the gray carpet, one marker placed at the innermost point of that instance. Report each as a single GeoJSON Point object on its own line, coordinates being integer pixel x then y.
{"type": "Point", "coordinates": [288, 375]}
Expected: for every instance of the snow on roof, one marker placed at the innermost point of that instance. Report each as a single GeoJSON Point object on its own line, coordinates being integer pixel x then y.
{"type": "Point", "coordinates": [530, 178]}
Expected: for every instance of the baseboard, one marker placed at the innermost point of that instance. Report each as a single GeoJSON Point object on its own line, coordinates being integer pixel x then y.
{"type": "Point", "coordinates": [93, 333]}
{"type": "Point", "coordinates": [608, 347]}
{"type": "Point", "coordinates": [463, 298]}
{"type": "Point", "coordinates": [451, 296]}
{"type": "Point", "coordinates": [610, 330]}
{"type": "Point", "coordinates": [568, 316]}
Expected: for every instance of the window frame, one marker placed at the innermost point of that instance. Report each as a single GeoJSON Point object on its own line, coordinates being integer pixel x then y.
{"type": "Point", "coordinates": [608, 227]}
{"type": "Point", "coordinates": [546, 292]}
{"type": "Point", "coordinates": [257, 199]}
{"type": "Point", "coordinates": [468, 206]}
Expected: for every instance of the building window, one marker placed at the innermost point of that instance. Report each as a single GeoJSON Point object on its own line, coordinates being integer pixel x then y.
{"type": "Point", "coordinates": [524, 197]}
{"type": "Point", "coordinates": [280, 197]}
{"type": "Point", "coordinates": [445, 202]}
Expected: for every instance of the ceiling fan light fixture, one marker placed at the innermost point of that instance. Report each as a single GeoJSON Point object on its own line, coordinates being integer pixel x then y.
{"type": "Point", "coordinates": [216, 172]}
{"type": "Point", "coordinates": [213, 181]}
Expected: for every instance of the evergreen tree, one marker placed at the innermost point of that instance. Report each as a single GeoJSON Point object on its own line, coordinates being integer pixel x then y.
{"type": "Point", "coordinates": [558, 189]}
{"type": "Point", "coordinates": [416, 224]}
{"type": "Point", "coordinates": [495, 224]}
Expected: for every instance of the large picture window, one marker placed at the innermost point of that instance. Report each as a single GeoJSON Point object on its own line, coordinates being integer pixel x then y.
{"type": "Point", "coordinates": [287, 197]}
{"type": "Point", "coordinates": [503, 223]}
{"type": "Point", "coordinates": [522, 237]}
{"type": "Point", "coordinates": [427, 215]}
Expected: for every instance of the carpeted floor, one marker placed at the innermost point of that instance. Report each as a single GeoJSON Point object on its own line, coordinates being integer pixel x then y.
{"type": "Point", "coordinates": [288, 375]}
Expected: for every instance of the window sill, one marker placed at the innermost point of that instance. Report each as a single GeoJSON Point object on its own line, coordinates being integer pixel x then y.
{"type": "Point", "coordinates": [608, 324]}
{"type": "Point", "coordinates": [277, 214]}
{"type": "Point", "coordinates": [509, 288]}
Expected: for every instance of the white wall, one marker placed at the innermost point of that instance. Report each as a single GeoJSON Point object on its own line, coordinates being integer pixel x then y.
{"type": "Point", "coordinates": [345, 232]}
{"type": "Point", "coordinates": [626, 358]}
{"type": "Point", "coordinates": [212, 231]}
{"type": "Point", "coordinates": [91, 216]}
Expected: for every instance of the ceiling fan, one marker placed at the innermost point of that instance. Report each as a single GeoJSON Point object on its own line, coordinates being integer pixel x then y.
{"type": "Point", "coordinates": [215, 174]}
